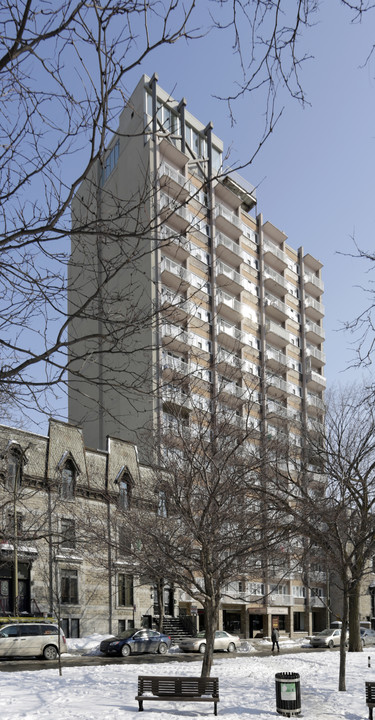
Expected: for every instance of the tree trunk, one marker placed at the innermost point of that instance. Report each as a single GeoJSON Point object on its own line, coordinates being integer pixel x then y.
{"type": "Point", "coordinates": [342, 671]}
{"type": "Point", "coordinates": [211, 613]}
{"type": "Point", "coordinates": [160, 594]}
{"type": "Point", "coordinates": [355, 643]}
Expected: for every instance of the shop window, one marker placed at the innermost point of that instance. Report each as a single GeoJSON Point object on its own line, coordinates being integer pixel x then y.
{"type": "Point", "coordinates": [298, 622]}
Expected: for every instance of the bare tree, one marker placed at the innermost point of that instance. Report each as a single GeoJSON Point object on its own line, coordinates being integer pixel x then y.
{"type": "Point", "coordinates": [330, 493]}
{"type": "Point", "coordinates": [213, 525]}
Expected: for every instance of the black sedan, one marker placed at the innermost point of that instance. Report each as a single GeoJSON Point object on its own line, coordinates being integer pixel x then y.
{"type": "Point", "coordinates": [136, 640]}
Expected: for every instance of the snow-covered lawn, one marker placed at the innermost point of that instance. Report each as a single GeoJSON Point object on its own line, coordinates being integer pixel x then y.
{"type": "Point", "coordinates": [247, 689]}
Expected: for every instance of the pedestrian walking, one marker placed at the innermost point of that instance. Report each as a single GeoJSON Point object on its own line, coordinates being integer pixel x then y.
{"type": "Point", "coordinates": [275, 639]}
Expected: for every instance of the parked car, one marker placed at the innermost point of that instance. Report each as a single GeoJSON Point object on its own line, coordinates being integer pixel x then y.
{"type": "Point", "coordinates": [367, 636]}
{"type": "Point", "coordinates": [223, 641]}
{"type": "Point", "coordinates": [136, 640]}
{"type": "Point", "coordinates": [31, 640]}
{"type": "Point", "coordinates": [327, 638]}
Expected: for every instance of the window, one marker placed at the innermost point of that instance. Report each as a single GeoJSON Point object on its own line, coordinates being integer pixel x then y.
{"type": "Point", "coordinates": [70, 627]}
{"type": "Point", "coordinates": [69, 587]}
{"type": "Point", "coordinates": [299, 621]}
{"type": "Point", "coordinates": [162, 504]}
{"type": "Point", "coordinates": [110, 162]}
{"type": "Point", "coordinates": [298, 591]}
{"type": "Point", "coordinates": [68, 533]}
{"type": "Point", "coordinates": [15, 469]}
{"type": "Point", "coordinates": [68, 480]}
{"type": "Point", "coordinates": [125, 590]}
{"type": "Point", "coordinates": [124, 495]}
{"type": "Point", "coordinates": [124, 541]}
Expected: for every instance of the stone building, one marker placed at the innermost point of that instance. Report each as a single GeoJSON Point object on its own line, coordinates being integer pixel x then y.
{"type": "Point", "coordinates": [64, 545]}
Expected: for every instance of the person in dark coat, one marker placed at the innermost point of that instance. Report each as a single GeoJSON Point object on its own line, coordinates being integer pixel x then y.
{"type": "Point", "coordinates": [275, 639]}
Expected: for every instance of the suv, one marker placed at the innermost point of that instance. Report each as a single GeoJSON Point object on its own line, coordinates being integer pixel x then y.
{"type": "Point", "coordinates": [31, 639]}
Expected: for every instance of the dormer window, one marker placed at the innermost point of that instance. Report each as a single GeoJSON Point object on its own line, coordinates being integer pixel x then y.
{"type": "Point", "coordinates": [125, 483]}
{"type": "Point", "coordinates": [162, 504]}
{"type": "Point", "coordinates": [68, 476]}
{"type": "Point", "coordinates": [15, 468]}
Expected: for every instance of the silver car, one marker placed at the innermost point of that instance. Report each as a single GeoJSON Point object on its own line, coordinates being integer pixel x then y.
{"type": "Point", "coordinates": [327, 638]}
{"type": "Point", "coordinates": [367, 636]}
{"type": "Point", "coordinates": [223, 641]}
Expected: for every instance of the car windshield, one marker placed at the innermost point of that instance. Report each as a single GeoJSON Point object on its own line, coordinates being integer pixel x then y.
{"type": "Point", "coordinates": [327, 632]}
{"type": "Point", "coordinates": [128, 633]}
{"type": "Point", "coordinates": [201, 634]}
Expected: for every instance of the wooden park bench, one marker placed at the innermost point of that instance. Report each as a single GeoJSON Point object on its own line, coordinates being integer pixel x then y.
{"type": "Point", "coordinates": [370, 697]}
{"type": "Point", "coordinates": [178, 689]}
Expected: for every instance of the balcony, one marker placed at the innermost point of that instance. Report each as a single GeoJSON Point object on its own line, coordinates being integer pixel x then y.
{"type": "Point", "coordinates": [228, 250]}
{"type": "Point", "coordinates": [175, 183]}
{"type": "Point", "coordinates": [315, 404]}
{"type": "Point", "coordinates": [228, 362]}
{"type": "Point", "coordinates": [175, 306]}
{"type": "Point", "coordinates": [174, 244]}
{"type": "Point", "coordinates": [280, 600]}
{"type": "Point", "coordinates": [276, 334]}
{"type": "Point", "coordinates": [276, 308]}
{"type": "Point", "coordinates": [229, 278]}
{"type": "Point", "coordinates": [277, 411]}
{"type": "Point", "coordinates": [313, 308]}
{"type": "Point", "coordinates": [314, 333]}
{"type": "Point", "coordinates": [275, 358]}
{"type": "Point", "coordinates": [228, 306]}
{"type": "Point", "coordinates": [231, 335]}
{"type": "Point", "coordinates": [176, 365]}
{"type": "Point", "coordinates": [175, 396]}
{"type": "Point", "coordinates": [313, 285]}
{"type": "Point", "coordinates": [318, 601]}
{"type": "Point", "coordinates": [274, 256]}
{"type": "Point", "coordinates": [227, 221]}
{"type": "Point", "coordinates": [175, 212]}
{"type": "Point", "coordinates": [316, 357]}
{"type": "Point", "coordinates": [175, 338]}
{"type": "Point", "coordinates": [275, 282]}
{"type": "Point", "coordinates": [276, 385]}
{"type": "Point", "coordinates": [174, 275]}
{"type": "Point", "coordinates": [316, 381]}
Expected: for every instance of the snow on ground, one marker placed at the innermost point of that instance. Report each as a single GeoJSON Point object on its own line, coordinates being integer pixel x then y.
{"type": "Point", "coordinates": [247, 689]}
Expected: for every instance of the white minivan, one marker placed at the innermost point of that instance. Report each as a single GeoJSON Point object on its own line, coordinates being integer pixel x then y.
{"type": "Point", "coordinates": [32, 639]}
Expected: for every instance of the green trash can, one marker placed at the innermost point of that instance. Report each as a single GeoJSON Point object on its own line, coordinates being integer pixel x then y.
{"type": "Point", "coordinates": [288, 694]}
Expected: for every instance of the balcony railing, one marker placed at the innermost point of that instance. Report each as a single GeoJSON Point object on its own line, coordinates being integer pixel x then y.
{"type": "Point", "coordinates": [280, 600]}
{"type": "Point", "coordinates": [229, 301]}
{"type": "Point", "coordinates": [225, 241]}
{"type": "Point", "coordinates": [223, 269]}
{"type": "Point", "coordinates": [315, 329]}
{"type": "Point", "coordinates": [314, 378]}
{"type": "Point", "coordinates": [270, 274]}
{"type": "Point", "coordinates": [168, 265]}
{"type": "Point", "coordinates": [275, 329]}
{"type": "Point", "coordinates": [311, 279]}
{"type": "Point", "coordinates": [222, 211]}
{"type": "Point", "coordinates": [278, 356]}
{"type": "Point", "coordinates": [313, 352]}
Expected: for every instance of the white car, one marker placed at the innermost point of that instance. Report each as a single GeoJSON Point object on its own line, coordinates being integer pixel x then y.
{"type": "Point", "coordinates": [32, 640]}
{"type": "Point", "coordinates": [327, 638]}
{"type": "Point", "coordinates": [223, 641]}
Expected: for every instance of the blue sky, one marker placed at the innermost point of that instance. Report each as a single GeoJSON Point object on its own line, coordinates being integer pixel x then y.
{"type": "Point", "coordinates": [315, 173]}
